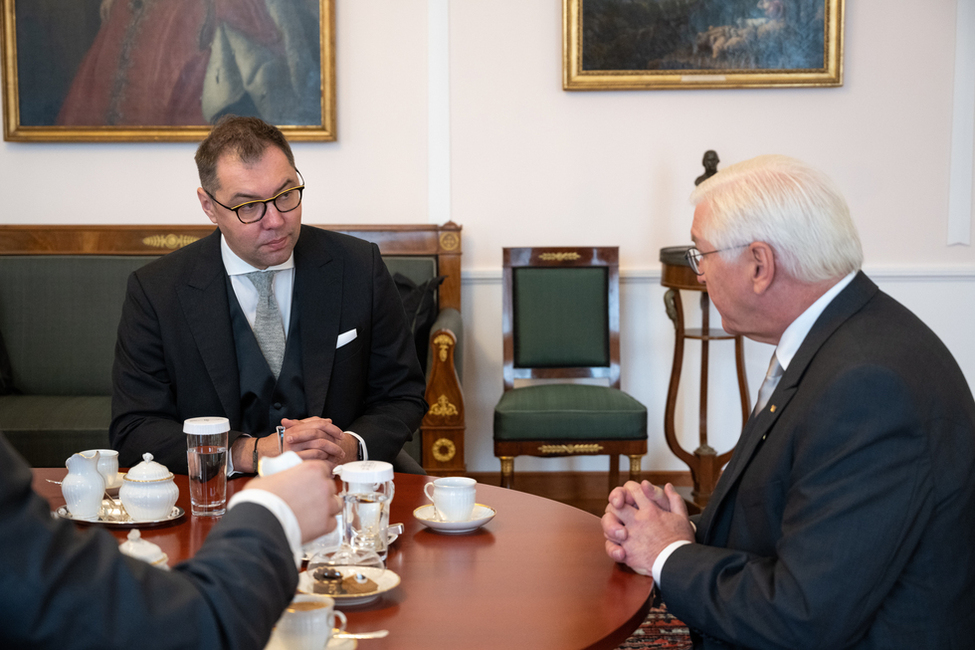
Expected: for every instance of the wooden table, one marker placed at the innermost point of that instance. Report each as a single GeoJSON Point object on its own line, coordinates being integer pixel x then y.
{"type": "Point", "coordinates": [535, 577]}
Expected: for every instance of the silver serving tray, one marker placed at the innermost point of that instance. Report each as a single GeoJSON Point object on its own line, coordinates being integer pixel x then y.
{"type": "Point", "coordinates": [118, 521]}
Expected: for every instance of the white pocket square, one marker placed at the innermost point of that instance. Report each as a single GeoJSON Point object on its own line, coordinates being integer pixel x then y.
{"type": "Point", "coordinates": [345, 338]}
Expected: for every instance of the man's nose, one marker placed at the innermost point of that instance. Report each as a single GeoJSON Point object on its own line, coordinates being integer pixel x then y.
{"type": "Point", "coordinates": [272, 217]}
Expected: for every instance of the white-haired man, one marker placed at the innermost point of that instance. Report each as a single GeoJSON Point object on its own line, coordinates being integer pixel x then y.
{"type": "Point", "coordinates": [846, 517]}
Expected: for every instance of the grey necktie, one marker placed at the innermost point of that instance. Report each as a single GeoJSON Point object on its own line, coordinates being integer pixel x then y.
{"type": "Point", "coordinates": [268, 327]}
{"type": "Point", "coordinates": [772, 378]}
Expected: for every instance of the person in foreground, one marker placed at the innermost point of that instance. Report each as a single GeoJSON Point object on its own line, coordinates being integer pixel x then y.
{"type": "Point", "coordinates": [63, 588]}
{"type": "Point", "coordinates": [318, 342]}
{"type": "Point", "coordinates": [846, 516]}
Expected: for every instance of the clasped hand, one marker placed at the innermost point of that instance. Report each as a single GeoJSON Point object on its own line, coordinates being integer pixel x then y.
{"type": "Point", "coordinates": [314, 438]}
{"type": "Point", "coordinates": [641, 520]}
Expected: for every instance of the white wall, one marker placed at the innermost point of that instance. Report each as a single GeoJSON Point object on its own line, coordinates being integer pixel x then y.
{"type": "Point", "coordinates": [531, 164]}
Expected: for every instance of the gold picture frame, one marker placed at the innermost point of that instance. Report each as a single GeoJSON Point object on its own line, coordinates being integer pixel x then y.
{"type": "Point", "coordinates": [649, 45]}
{"type": "Point", "coordinates": [119, 71]}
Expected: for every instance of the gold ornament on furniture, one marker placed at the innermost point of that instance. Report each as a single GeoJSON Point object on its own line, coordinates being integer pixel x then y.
{"type": "Point", "coordinates": [444, 450]}
{"type": "Point", "coordinates": [171, 242]}
{"type": "Point", "coordinates": [570, 449]}
{"type": "Point", "coordinates": [449, 241]}
{"type": "Point", "coordinates": [559, 257]}
{"type": "Point", "coordinates": [443, 407]}
{"type": "Point", "coordinates": [443, 342]}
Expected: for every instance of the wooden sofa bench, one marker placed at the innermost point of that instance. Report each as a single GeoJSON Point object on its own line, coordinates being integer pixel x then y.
{"type": "Point", "coordinates": [61, 294]}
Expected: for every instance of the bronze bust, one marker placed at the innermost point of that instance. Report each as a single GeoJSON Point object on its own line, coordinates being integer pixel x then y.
{"type": "Point", "coordinates": [710, 163]}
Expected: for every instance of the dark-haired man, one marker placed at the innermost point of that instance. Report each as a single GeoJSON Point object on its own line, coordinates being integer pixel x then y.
{"type": "Point", "coordinates": [265, 322]}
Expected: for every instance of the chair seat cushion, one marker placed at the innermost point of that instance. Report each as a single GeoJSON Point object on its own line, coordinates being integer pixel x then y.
{"type": "Point", "coordinates": [569, 411]}
{"type": "Point", "coordinates": [47, 429]}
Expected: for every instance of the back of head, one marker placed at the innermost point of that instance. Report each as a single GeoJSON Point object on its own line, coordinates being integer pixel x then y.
{"type": "Point", "coordinates": [246, 138]}
{"type": "Point", "coordinates": [787, 204]}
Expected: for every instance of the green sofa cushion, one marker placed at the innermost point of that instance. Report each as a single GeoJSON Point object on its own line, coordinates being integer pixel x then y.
{"type": "Point", "coordinates": [59, 316]}
{"type": "Point", "coordinates": [569, 411]}
{"type": "Point", "coordinates": [47, 429]}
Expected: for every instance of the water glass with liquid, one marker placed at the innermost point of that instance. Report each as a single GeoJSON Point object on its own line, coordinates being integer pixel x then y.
{"type": "Point", "coordinates": [206, 458]}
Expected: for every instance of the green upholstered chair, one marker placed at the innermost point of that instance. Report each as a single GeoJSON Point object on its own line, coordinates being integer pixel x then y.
{"type": "Point", "coordinates": [561, 324]}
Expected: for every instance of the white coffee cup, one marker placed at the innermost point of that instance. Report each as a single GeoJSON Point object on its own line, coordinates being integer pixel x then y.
{"type": "Point", "coordinates": [453, 497]}
{"type": "Point", "coordinates": [107, 465]}
{"type": "Point", "coordinates": [306, 624]}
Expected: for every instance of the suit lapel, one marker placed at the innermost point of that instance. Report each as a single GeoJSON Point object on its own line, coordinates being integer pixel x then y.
{"type": "Point", "coordinates": [844, 305]}
{"type": "Point", "coordinates": [206, 307]}
{"type": "Point", "coordinates": [317, 308]}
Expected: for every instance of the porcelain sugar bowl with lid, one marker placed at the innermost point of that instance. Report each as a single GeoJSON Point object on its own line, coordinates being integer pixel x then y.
{"type": "Point", "coordinates": [148, 491]}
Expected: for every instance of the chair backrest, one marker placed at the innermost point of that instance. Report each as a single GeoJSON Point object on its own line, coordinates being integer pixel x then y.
{"type": "Point", "coordinates": [561, 314]}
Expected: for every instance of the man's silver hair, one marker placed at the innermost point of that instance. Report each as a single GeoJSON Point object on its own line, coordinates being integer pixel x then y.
{"type": "Point", "coordinates": [787, 204]}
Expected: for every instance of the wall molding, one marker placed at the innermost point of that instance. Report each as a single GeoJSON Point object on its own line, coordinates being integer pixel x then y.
{"type": "Point", "coordinates": [960, 196]}
{"type": "Point", "coordinates": [438, 111]}
{"type": "Point", "coordinates": [882, 273]}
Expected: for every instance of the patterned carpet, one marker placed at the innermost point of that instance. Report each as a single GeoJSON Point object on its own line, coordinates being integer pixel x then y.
{"type": "Point", "coordinates": [660, 631]}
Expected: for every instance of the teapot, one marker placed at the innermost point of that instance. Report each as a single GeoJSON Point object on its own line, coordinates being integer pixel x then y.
{"type": "Point", "coordinates": [148, 491]}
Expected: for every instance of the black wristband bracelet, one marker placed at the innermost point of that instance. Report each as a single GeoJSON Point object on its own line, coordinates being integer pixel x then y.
{"type": "Point", "coordinates": [255, 455]}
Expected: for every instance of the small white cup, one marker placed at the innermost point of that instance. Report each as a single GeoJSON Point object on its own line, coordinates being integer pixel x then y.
{"type": "Point", "coordinates": [306, 624]}
{"type": "Point", "coordinates": [453, 497]}
{"type": "Point", "coordinates": [107, 466]}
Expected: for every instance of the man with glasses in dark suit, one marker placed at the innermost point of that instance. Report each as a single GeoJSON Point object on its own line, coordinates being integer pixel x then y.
{"type": "Point", "coordinates": [266, 322]}
{"type": "Point", "coordinates": [846, 516]}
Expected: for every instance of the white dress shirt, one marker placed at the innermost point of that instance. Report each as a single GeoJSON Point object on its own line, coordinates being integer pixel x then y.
{"type": "Point", "coordinates": [246, 291]}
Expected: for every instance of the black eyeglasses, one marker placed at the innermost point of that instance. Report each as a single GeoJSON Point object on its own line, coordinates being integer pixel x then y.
{"type": "Point", "coordinates": [693, 256]}
{"type": "Point", "coordinates": [253, 211]}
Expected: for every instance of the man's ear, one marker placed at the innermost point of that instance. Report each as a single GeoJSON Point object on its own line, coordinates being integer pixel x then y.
{"type": "Point", "coordinates": [762, 259]}
{"type": "Point", "coordinates": [207, 204]}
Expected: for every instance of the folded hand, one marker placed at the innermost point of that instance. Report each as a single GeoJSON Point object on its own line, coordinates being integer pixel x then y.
{"type": "Point", "coordinates": [642, 520]}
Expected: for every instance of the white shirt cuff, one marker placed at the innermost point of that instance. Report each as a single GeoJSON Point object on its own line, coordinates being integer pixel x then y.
{"type": "Point", "coordinates": [658, 564]}
{"type": "Point", "coordinates": [280, 509]}
{"type": "Point", "coordinates": [363, 450]}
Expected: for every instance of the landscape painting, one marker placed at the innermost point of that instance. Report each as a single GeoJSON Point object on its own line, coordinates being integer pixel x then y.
{"type": "Point", "coordinates": [648, 44]}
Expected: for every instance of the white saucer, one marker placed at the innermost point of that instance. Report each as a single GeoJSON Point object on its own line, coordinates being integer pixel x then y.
{"type": "Point", "coordinates": [384, 578]}
{"type": "Point", "coordinates": [341, 644]}
{"type": "Point", "coordinates": [426, 515]}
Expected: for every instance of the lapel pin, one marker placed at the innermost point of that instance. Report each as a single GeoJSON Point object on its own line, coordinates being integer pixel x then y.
{"type": "Point", "coordinates": [772, 409]}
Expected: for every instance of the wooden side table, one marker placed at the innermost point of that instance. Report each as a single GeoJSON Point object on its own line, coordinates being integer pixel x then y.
{"type": "Point", "coordinates": [705, 463]}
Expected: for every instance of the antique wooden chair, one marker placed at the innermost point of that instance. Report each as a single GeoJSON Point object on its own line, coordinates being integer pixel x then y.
{"type": "Point", "coordinates": [561, 324]}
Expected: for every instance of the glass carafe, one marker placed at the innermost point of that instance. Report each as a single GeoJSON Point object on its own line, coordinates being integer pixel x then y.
{"type": "Point", "coordinates": [367, 490]}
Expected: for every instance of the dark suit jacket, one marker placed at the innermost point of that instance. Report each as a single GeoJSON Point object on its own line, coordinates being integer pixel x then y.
{"type": "Point", "coordinates": [175, 357]}
{"type": "Point", "coordinates": [64, 588]}
{"type": "Point", "coordinates": [846, 517]}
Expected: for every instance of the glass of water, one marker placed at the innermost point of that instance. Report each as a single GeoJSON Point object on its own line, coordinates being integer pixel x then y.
{"type": "Point", "coordinates": [206, 458]}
